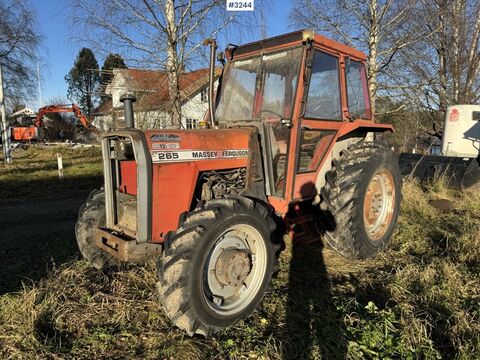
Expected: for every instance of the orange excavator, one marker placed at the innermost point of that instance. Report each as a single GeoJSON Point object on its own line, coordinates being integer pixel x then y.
{"type": "Point", "coordinates": [26, 133]}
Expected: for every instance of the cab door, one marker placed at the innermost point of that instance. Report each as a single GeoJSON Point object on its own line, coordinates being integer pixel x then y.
{"type": "Point", "coordinates": [321, 117]}
{"type": "Point", "coordinates": [336, 92]}
{"type": "Point", "coordinates": [274, 103]}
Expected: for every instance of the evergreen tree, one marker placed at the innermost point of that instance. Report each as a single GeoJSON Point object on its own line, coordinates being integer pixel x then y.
{"type": "Point", "coordinates": [84, 81]}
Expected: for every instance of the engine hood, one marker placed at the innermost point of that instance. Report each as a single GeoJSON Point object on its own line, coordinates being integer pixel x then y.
{"type": "Point", "coordinates": [172, 145]}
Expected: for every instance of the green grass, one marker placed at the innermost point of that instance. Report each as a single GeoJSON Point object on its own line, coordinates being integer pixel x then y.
{"type": "Point", "coordinates": [34, 173]}
{"type": "Point", "coordinates": [417, 300]}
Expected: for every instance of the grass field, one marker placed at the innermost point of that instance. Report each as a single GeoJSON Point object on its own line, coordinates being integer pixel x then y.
{"type": "Point", "coordinates": [420, 299]}
{"type": "Point", "coordinates": [34, 173]}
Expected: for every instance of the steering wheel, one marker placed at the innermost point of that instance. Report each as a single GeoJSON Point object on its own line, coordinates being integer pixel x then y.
{"type": "Point", "coordinates": [271, 112]}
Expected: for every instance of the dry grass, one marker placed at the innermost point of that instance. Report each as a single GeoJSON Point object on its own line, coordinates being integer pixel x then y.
{"type": "Point", "coordinates": [419, 299]}
{"type": "Point", "coordinates": [34, 173]}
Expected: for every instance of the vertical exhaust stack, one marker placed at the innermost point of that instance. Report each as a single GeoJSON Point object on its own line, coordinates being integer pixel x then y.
{"type": "Point", "coordinates": [128, 100]}
{"type": "Point", "coordinates": [213, 49]}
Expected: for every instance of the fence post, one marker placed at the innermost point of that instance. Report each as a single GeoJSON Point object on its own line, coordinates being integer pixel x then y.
{"type": "Point", "coordinates": [60, 166]}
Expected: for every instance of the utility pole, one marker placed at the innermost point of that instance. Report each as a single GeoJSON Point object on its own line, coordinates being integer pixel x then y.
{"type": "Point", "coordinates": [39, 88]}
{"type": "Point", "coordinates": [7, 156]}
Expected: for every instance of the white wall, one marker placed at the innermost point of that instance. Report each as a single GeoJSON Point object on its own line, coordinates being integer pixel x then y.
{"type": "Point", "coordinates": [194, 109]}
{"type": "Point", "coordinates": [461, 133]}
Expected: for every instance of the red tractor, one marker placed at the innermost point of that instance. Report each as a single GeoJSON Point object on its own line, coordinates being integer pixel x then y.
{"type": "Point", "coordinates": [290, 149]}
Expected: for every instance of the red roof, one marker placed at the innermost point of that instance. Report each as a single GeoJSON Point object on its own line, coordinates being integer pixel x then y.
{"type": "Point", "coordinates": [151, 87]}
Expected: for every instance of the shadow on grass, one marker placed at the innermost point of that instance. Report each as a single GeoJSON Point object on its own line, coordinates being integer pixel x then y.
{"type": "Point", "coordinates": [37, 222]}
{"type": "Point", "coordinates": [22, 186]}
{"type": "Point", "coordinates": [314, 326]}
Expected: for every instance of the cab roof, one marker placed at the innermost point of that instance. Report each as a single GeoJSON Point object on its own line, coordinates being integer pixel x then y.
{"type": "Point", "coordinates": [294, 38]}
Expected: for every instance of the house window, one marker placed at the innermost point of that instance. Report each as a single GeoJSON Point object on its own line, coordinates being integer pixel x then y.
{"type": "Point", "coordinates": [204, 95]}
{"type": "Point", "coordinates": [191, 123]}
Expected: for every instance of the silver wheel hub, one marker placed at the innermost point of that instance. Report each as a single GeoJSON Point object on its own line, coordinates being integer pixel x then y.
{"type": "Point", "coordinates": [232, 267]}
{"type": "Point", "coordinates": [235, 269]}
{"type": "Point", "coordinates": [379, 204]}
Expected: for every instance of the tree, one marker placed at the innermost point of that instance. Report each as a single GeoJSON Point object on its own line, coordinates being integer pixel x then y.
{"type": "Point", "coordinates": [160, 34]}
{"type": "Point", "coordinates": [378, 27]}
{"type": "Point", "coordinates": [19, 43]}
{"type": "Point", "coordinates": [444, 68]}
{"type": "Point", "coordinates": [84, 81]}
{"type": "Point", "coordinates": [112, 61]}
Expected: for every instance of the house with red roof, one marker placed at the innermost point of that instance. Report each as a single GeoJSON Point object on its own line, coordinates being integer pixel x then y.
{"type": "Point", "coordinates": [152, 108]}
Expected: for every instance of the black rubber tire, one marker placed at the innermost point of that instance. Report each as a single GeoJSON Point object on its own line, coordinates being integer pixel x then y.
{"type": "Point", "coordinates": [90, 216]}
{"type": "Point", "coordinates": [343, 199]}
{"type": "Point", "coordinates": [181, 266]}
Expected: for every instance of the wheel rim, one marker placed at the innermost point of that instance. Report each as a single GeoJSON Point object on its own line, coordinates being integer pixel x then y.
{"type": "Point", "coordinates": [379, 204]}
{"type": "Point", "coordinates": [235, 269]}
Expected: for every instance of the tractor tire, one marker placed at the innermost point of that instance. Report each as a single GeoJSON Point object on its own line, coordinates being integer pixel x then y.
{"type": "Point", "coordinates": [90, 216]}
{"type": "Point", "coordinates": [361, 200]}
{"type": "Point", "coordinates": [218, 264]}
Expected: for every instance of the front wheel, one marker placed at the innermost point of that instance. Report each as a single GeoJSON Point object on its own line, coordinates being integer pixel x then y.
{"type": "Point", "coordinates": [90, 217]}
{"type": "Point", "coordinates": [218, 265]}
{"type": "Point", "coordinates": [362, 198]}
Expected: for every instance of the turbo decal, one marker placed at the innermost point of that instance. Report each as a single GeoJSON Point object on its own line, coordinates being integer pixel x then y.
{"type": "Point", "coordinates": [165, 137]}
{"type": "Point", "coordinates": [195, 155]}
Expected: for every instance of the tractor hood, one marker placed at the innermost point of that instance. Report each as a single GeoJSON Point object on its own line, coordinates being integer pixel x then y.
{"type": "Point", "coordinates": [167, 146]}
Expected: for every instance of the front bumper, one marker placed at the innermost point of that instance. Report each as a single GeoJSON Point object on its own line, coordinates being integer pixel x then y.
{"type": "Point", "coordinates": [123, 247]}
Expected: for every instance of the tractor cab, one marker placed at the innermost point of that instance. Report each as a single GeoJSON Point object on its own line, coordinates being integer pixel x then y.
{"type": "Point", "coordinates": [303, 92]}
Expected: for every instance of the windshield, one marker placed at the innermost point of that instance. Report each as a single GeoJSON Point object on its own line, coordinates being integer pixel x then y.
{"type": "Point", "coordinates": [260, 87]}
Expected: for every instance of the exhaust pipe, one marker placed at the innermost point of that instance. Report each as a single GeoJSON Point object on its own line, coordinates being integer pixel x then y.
{"type": "Point", "coordinates": [128, 100]}
{"type": "Point", "coordinates": [211, 109]}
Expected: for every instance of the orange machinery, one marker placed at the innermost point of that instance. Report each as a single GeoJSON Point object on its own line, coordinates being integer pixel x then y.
{"type": "Point", "coordinates": [27, 133]}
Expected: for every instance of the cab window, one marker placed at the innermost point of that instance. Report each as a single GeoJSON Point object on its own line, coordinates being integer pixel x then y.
{"type": "Point", "coordinates": [323, 100]}
{"type": "Point", "coordinates": [357, 91]}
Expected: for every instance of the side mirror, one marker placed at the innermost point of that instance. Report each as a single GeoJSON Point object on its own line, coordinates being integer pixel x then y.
{"type": "Point", "coordinates": [476, 116]}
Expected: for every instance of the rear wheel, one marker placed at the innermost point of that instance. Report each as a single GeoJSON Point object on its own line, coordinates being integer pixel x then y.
{"type": "Point", "coordinates": [362, 196]}
{"type": "Point", "coordinates": [218, 265]}
{"type": "Point", "coordinates": [90, 217]}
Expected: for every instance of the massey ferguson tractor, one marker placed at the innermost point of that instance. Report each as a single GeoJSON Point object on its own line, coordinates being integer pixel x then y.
{"type": "Point", "coordinates": [289, 147]}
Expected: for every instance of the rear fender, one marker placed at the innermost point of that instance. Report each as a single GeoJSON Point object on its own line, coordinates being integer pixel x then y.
{"type": "Point", "coordinates": [348, 134]}
{"type": "Point", "coordinates": [362, 127]}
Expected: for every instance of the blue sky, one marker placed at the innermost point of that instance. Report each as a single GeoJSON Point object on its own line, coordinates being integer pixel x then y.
{"type": "Point", "coordinates": [59, 52]}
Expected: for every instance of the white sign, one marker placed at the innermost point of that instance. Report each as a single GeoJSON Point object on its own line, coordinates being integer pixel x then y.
{"type": "Point", "coordinates": [238, 5]}
{"type": "Point", "coordinates": [195, 155]}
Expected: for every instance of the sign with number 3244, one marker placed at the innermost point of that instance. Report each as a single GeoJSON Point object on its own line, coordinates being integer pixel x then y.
{"type": "Point", "coordinates": [240, 5]}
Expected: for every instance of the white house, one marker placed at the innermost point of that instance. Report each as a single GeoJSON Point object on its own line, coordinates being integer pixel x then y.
{"type": "Point", "coordinates": [23, 116]}
{"type": "Point", "coordinates": [151, 90]}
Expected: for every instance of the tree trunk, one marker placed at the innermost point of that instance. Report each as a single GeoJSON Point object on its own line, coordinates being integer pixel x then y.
{"type": "Point", "coordinates": [173, 68]}
{"type": "Point", "coordinates": [456, 15]}
{"type": "Point", "coordinates": [373, 53]}
{"type": "Point", "coordinates": [442, 62]}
